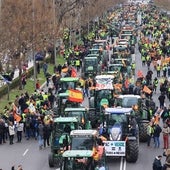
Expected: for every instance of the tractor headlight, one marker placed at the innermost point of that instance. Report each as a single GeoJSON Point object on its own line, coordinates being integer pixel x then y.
{"type": "Point", "coordinates": [115, 133]}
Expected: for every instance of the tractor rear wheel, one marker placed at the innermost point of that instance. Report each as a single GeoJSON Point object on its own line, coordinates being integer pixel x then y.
{"type": "Point", "coordinates": [132, 151]}
{"type": "Point", "coordinates": [143, 131]}
{"type": "Point", "coordinates": [51, 160]}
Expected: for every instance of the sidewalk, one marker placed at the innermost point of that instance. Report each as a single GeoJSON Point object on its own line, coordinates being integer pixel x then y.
{"type": "Point", "coordinates": [16, 73]}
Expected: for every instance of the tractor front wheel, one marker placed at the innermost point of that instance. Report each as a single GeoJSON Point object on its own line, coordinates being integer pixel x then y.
{"type": "Point", "coordinates": [132, 151]}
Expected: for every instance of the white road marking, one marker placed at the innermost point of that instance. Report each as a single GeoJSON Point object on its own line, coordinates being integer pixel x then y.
{"type": "Point", "coordinates": [124, 166]}
{"type": "Point", "coordinates": [123, 163]}
{"type": "Point", "coordinates": [25, 152]}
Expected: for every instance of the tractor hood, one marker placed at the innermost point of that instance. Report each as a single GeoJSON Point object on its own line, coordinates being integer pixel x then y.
{"type": "Point", "coordinates": [90, 68]}
{"type": "Point", "coordinates": [115, 132]}
{"type": "Point", "coordinates": [104, 102]}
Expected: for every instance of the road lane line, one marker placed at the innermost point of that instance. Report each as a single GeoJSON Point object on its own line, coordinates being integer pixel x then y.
{"type": "Point", "coordinates": [121, 163]}
{"type": "Point", "coordinates": [124, 166]}
{"type": "Point", "coordinates": [25, 152]}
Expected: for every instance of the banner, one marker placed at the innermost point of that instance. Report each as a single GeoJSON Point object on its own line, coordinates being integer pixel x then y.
{"type": "Point", "coordinates": [75, 96]}
{"type": "Point", "coordinates": [147, 90]}
{"type": "Point", "coordinates": [104, 84]}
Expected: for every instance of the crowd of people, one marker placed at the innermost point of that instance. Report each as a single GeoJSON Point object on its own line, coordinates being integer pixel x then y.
{"type": "Point", "coordinates": [30, 115]}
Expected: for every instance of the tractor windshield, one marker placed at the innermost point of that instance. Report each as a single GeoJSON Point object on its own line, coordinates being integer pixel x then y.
{"type": "Point", "coordinates": [129, 101]}
{"type": "Point", "coordinates": [62, 126]}
{"type": "Point", "coordinates": [91, 62]}
{"type": "Point", "coordinates": [105, 93]}
{"type": "Point", "coordinates": [77, 114]}
{"type": "Point", "coordinates": [68, 85]}
{"type": "Point", "coordinates": [82, 143]}
{"type": "Point", "coordinates": [116, 118]}
{"type": "Point", "coordinates": [114, 68]}
{"type": "Point", "coordinates": [76, 163]}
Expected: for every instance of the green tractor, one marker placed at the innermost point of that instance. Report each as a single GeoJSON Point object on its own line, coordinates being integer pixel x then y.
{"type": "Point", "coordinates": [102, 95]}
{"type": "Point", "coordinates": [79, 160]}
{"type": "Point", "coordinates": [82, 115]}
{"type": "Point", "coordinates": [63, 102]}
{"type": "Point", "coordinates": [120, 141]}
{"type": "Point", "coordinates": [140, 111]}
{"type": "Point", "coordinates": [90, 67]}
{"type": "Point", "coordinates": [88, 140]}
{"type": "Point", "coordinates": [66, 83]}
{"type": "Point", "coordinates": [60, 138]}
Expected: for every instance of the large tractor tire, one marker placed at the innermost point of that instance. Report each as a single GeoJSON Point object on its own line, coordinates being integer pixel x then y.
{"type": "Point", "coordinates": [132, 150]}
{"type": "Point", "coordinates": [51, 160]}
{"type": "Point", "coordinates": [143, 131]}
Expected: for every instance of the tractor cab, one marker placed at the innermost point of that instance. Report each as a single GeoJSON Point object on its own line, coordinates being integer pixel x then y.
{"type": "Point", "coordinates": [66, 83]}
{"type": "Point", "coordinates": [83, 139]}
{"type": "Point", "coordinates": [64, 102]}
{"type": "Point", "coordinates": [60, 137]}
{"type": "Point", "coordinates": [81, 114]}
{"type": "Point", "coordinates": [141, 112]}
{"type": "Point", "coordinates": [77, 160]}
{"type": "Point", "coordinates": [128, 101]}
{"type": "Point", "coordinates": [90, 66]}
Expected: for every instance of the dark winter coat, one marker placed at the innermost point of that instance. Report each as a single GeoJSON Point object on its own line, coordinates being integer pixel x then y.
{"type": "Point", "coordinates": [157, 164]}
{"type": "Point", "coordinates": [157, 131]}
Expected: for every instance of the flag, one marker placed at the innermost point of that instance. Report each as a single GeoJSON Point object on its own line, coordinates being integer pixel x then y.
{"type": "Point", "coordinates": [147, 90]}
{"type": "Point", "coordinates": [64, 70]}
{"type": "Point", "coordinates": [140, 74]}
{"type": "Point", "coordinates": [17, 117]}
{"type": "Point", "coordinates": [73, 72]}
{"type": "Point", "coordinates": [75, 96]}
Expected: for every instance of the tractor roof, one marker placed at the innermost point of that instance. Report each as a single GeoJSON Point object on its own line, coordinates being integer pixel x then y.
{"type": "Point", "coordinates": [65, 119]}
{"type": "Point", "coordinates": [100, 41]}
{"type": "Point", "coordinates": [118, 110]}
{"type": "Point", "coordinates": [78, 153]}
{"type": "Point", "coordinates": [69, 79]}
{"type": "Point", "coordinates": [84, 132]}
{"type": "Point", "coordinates": [93, 49]}
{"type": "Point", "coordinates": [129, 96]}
{"type": "Point", "coordinates": [104, 77]}
{"type": "Point", "coordinates": [90, 58]}
{"type": "Point", "coordinates": [66, 94]}
{"type": "Point", "coordinates": [92, 55]}
{"type": "Point", "coordinates": [79, 109]}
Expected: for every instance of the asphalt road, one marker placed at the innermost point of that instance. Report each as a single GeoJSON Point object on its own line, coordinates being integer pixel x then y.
{"type": "Point", "coordinates": [30, 157]}
{"type": "Point", "coordinates": [28, 154]}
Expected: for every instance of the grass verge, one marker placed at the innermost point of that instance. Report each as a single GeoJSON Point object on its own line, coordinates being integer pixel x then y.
{"type": "Point", "coordinates": [29, 87]}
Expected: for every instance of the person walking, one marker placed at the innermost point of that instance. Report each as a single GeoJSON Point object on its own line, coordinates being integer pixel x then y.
{"type": "Point", "coordinates": [161, 99]}
{"type": "Point", "coordinates": [40, 135]}
{"type": "Point", "coordinates": [156, 135]}
{"type": "Point", "coordinates": [11, 133]}
{"type": "Point", "coordinates": [149, 133]}
{"type": "Point", "coordinates": [46, 134]}
{"type": "Point", "coordinates": [158, 70]}
{"type": "Point", "coordinates": [155, 84]}
{"type": "Point", "coordinates": [157, 165]}
{"type": "Point", "coordinates": [20, 127]}
{"type": "Point", "coordinates": [165, 132]}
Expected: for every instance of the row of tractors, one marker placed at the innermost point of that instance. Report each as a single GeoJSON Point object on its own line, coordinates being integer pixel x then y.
{"type": "Point", "coordinates": [115, 122]}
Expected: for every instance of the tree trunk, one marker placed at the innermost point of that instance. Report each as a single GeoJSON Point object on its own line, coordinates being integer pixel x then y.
{"type": "Point", "coordinates": [20, 77]}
